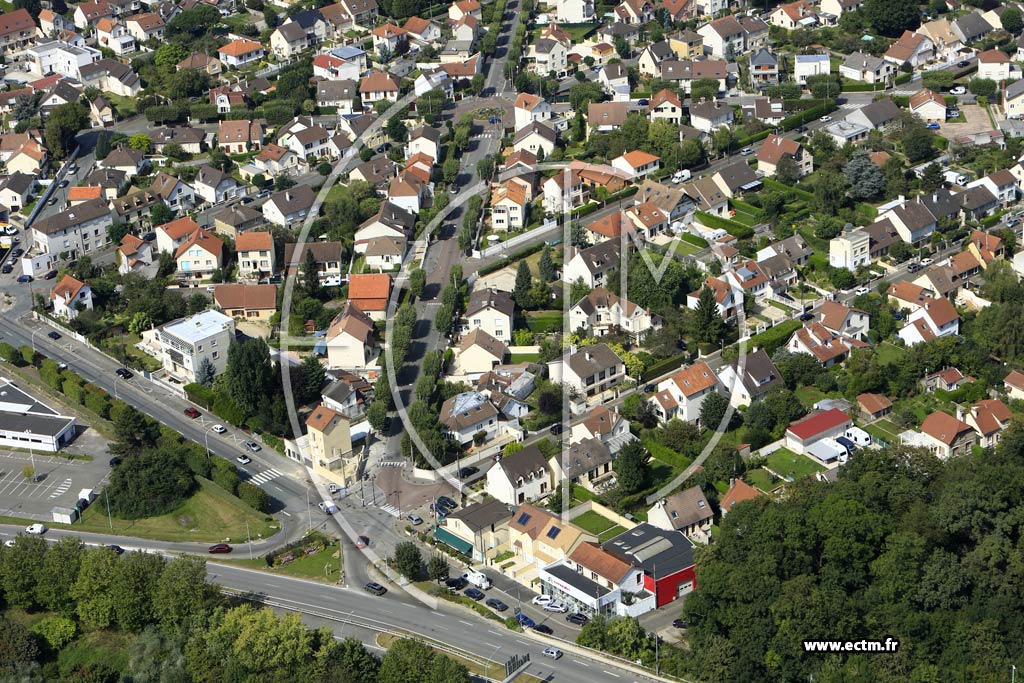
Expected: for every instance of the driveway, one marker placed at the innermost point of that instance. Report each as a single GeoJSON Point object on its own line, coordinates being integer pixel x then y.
{"type": "Point", "coordinates": [977, 122]}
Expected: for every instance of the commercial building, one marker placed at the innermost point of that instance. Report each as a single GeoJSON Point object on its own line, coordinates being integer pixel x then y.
{"type": "Point", "coordinates": [27, 423]}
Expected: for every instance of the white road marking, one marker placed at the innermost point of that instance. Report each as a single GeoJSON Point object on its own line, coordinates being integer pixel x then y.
{"type": "Point", "coordinates": [462, 621]}
{"type": "Point", "coordinates": [610, 673]}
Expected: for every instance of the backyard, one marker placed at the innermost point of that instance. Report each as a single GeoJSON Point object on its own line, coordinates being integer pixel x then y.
{"type": "Point", "coordinates": [786, 463]}
{"type": "Point", "coordinates": [602, 527]}
{"type": "Point", "coordinates": [761, 480]}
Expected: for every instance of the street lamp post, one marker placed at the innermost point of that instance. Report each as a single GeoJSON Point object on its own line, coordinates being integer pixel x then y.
{"type": "Point", "coordinates": [487, 664]}
{"type": "Point", "coordinates": [32, 339]}
{"type": "Point", "coordinates": [206, 440]}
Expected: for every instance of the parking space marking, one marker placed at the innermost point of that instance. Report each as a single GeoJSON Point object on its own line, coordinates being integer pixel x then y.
{"type": "Point", "coordinates": [59, 491]}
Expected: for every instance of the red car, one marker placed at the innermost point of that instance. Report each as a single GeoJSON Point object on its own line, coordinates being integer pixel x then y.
{"type": "Point", "coordinates": [220, 548]}
{"type": "Point", "coordinates": [192, 412]}
{"type": "Point", "coordinates": [362, 541]}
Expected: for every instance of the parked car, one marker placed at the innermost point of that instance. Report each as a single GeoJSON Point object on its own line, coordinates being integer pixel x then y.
{"type": "Point", "coordinates": [552, 652]}
{"type": "Point", "coordinates": [447, 502]}
{"type": "Point", "coordinates": [746, 151]}
{"type": "Point", "coordinates": [192, 412]}
{"type": "Point", "coordinates": [555, 606]}
{"type": "Point", "coordinates": [474, 593]}
{"type": "Point", "coordinates": [244, 459]}
{"type": "Point", "coordinates": [149, 237]}
{"type": "Point", "coordinates": [495, 603]}
{"type": "Point", "coordinates": [7, 268]}
{"type": "Point", "coordinates": [457, 583]}
{"type": "Point", "coordinates": [50, 274]}
{"type": "Point", "coordinates": [219, 429]}
{"type": "Point", "coordinates": [53, 335]}
{"type": "Point", "coordinates": [525, 621]}
{"type": "Point", "coordinates": [913, 267]}
{"type": "Point", "coordinates": [963, 64]}
{"type": "Point", "coordinates": [415, 519]}
{"type": "Point", "coordinates": [934, 125]}
{"type": "Point", "coordinates": [958, 90]}
{"type": "Point", "coordinates": [468, 472]}
{"type": "Point", "coordinates": [927, 261]}
{"type": "Point", "coordinates": [124, 373]}
{"type": "Point", "coordinates": [542, 600]}
{"type": "Point", "coordinates": [117, 549]}
{"type": "Point", "coordinates": [826, 119]}
{"type": "Point", "coordinates": [861, 291]}
{"type": "Point", "coordinates": [24, 278]}
{"type": "Point", "coordinates": [439, 510]}
{"type": "Point", "coordinates": [577, 618]}
{"type": "Point", "coordinates": [679, 623]}
{"type": "Point", "coordinates": [219, 548]}
{"type": "Point", "coordinates": [114, 462]}
{"type": "Point", "coordinates": [556, 429]}
{"type": "Point", "coordinates": [543, 628]}
{"type": "Point", "coordinates": [362, 541]}
{"type": "Point", "coordinates": [643, 103]}
{"type": "Point", "coordinates": [35, 529]}
{"type": "Point", "coordinates": [375, 588]}
{"type": "Point", "coordinates": [807, 316]}
{"type": "Point", "coordinates": [253, 446]}
{"type": "Point", "coordinates": [16, 253]}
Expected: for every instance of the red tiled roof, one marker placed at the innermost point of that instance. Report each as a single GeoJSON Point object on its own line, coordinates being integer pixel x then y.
{"type": "Point", "coordinates": [816, 424]}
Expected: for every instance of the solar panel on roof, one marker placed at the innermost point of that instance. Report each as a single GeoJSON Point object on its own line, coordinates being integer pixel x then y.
{"type": "Point", "coordinates": [553, 532]}
{"type": "Point", "coordinates": [523, 519]}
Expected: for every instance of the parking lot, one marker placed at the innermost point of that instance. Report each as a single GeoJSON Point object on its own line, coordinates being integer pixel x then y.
{"type": "Point", "coordinates": [58, 479]}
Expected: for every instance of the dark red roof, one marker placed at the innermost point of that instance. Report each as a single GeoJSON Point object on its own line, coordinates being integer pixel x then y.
{"type": "Point", "coordinates": [816, 424]}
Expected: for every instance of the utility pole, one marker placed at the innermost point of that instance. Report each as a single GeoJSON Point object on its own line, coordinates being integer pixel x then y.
{"type": "Point", "coordinates": [110, 519]}
{"type": "Point", "coordinates": [248, 538]}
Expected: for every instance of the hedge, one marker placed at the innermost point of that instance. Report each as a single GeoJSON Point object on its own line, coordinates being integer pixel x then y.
{"type": "Point", "coordinates": [743, 142]}
{"type": "Point", "coordinates": [695, 240]}
{"type": "Point", "coordinates": [743, 207]}
{"type": "Point", "coordinates": [737, 230]}
{"type": "Point", "coordinates": [661, 367]}
{"type": "Point", "coordinates": [200, 394]}
{"type": "Point", "coordinates": [512, 258]}
{"type": "Point", "coordinates": [666, 454]}
{"type": "Point", "coordinates": [776, 185]}
{"type": "Point", "coordinates": [989, 221]}
{"type": "Point", "coordinates": [903, 78]}
{"type": "Point", "coordinates": [863, 87]}
{"type": "Point", "coordinates": [769, 340]}
{"type": "Point", "coordinates": [797, 120]}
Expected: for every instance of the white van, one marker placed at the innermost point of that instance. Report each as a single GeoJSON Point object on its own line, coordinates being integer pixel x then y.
{"type": "Point", "coordinates": [681, 176]}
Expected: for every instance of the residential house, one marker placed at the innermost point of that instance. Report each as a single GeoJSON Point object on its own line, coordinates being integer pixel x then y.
{"type": "Point", "coordinates": [255, 255]}
{"type": "Point", "coordinates": [947, 379]}
{"type": "Point", "coordinates": [249, 302]}
{"type": "Point", "coordinates": [685, 73]}
{"type": "Point", "coordinates": [391, 221]}
{"type": "Point", "coordinates": [1013, 384]}
{"type": "Point", "coordinates": [794, 15]}
{"type": "Point", "coordinates": [240, 53]}
{"type": "Point", "coordinates": [739, 491]}
{"type": "Point", "coordinates": [385, 253]}
{"type": "Point", "coordinates": [377, 86]}
{"type": "Point", "coordinates": [682, 394]}
{"type": "Point", "coordinates": [665, 105]}
{"type": "Point", "coordinates": [479, 352]}
{"type": "Point", "coordinates": [728, 299]}
{"type": "Point", "coordinates": [201, 62]}
{"type": "Point", "coordinates": [708, 117]}
{"type": "Point", "coordinates": [574, 11]}
{"type": "Point", "coordinates": [233, 221]}
{"type": "Point", "coordinates": [994, 65]}
{"type": "Point", "coordinates": [989, 418]}
{"type": "Point", "coordinates": [274, 160]}
{"type": "Point", "coordinates": [912, 48]}
{"type": "Point", "coordinates": [867, 68]}
{"type": "Point", "coordinates": [75, 232]}
{"type": "Point", "coordinates": [775, 147]}
{"type": "Point", "coordinates": [509, 207]}
{"type": "Point", "coordinates": [492, 312]}
{"type": "Point", "coordinates": [288, 40]}
{"type": "Point", "coordinates": [601, 312]}
{"type": "Point", "coordinates": [725, 38]}
{"type": "Point", "coordinates": [536, 138]}
{"type": "Point", "coordinates": [592, 264]}
{"type": "Point", "coordinates": [199, 255]}
{"type": "Point", "coordinates": [17, 190]}
{"type": "Point", "coordinates": [652, 56]}
{"type": "Point", "coordinates": [844, 321]}
{"type": "Point", "coordinates": [874, 406]}
{"type": "Point", "coordinates": [751, 378]}
{"type": "Point", "coordinates": [470, 417]}
{"type": "Point", "coordinates": [947, 436]}
{"type": "Point", "coordinates": [216, 186]}
{"type": "Point", "coordinates": [637, 164]}
{"type": "Point", "coordinates": [912, 220]}
{"type": "Point", "coordinates": [329, 439]}
{"type": "Point", "coordinates": [587, 463]}
{"type": "Point", "coordinates": [477, 530]}
{"type": "Point", "coordinates": [547, 56]}
{"type": "Point", "coordinates": [17, 31]}
{"type": "Point", "coordinates": [187, 345]}
{"type": "Point", "coordinates": [528, 109]}
{"type": "Point", "coordinates": [145, 26]}
{"type": "Point", "coordinates": [134, 255]}
{"type": "Point", "coordinates": [687, 511]}
{"type": "Point", "coordinates": [289, 207]}
{"type": "Point", "coordinates": [947, 43]}
{"type": "Point", "coordinates": [605, 426]}
{"type": "Point", "coordinates": [370, 292]}
{"type": "Point", "coordinates": [928, 105]}
{"type": "Point", "coordinates": [604, 117]}
{"type": "Point", "coordinates": [1013, 100]}
{"type": "Point", "coordinates": [827, 347]}
{"type": "Point", "coordinates": [764, 68]}
{"type": "Point", "coordinates": [589, 371]}
{"type": "Point", "coordinates": [239, 137]}
{"type": "Point", "coordinates": [614, 78]}
{"type": "Point", "coordinates": [810, 65]}
{"type": "Point", "coordinates": [350, 340]}
{"type": "Point", "coordinates": [69, 297]}
{"type": "Point", "coordinates": [970, 27]}
{"type": "Point", "coordinates": [804, 433]}
{"type": "Point", "coordinates": [935, 318]}
{"type": "Point", "coordinates": [191, 140]}
{"type": "Point", "coordinates": [114, 36]}
{"type": "Point", "coordinates": [173, 192]}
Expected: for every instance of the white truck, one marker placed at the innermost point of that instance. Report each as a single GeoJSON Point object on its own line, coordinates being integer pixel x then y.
{"type": "Point", "coordinates": [478, 579]}
{"type": "Point", "coordinates": [955, 178]}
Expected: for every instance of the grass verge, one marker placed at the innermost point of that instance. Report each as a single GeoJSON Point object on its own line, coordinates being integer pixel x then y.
{"type": "Point", "coordinates": [789, 464]}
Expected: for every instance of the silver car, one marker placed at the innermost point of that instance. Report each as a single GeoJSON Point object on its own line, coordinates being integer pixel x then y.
{"type": "Point", "coordinates": [555, 606]}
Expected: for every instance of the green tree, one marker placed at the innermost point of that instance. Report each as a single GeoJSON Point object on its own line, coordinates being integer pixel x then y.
{"type": "Point", "coordinates": [450, 169]}
{"type": "Point", "coordinates": [60, 567]}
{"type": "Point", "coordinates": [406, 661]}
{"type": "Point", "coordinates": [349, 662]}
{"type": "Point", "coordinates": [253, 496]}
{"type": "Point", "coordinates": [62, 125]}
{"type": "Point", "coordinates": [786, 171]}
{"type": "Point", "coordinates": [160, 214]}
{"type": "Point", "coordinates": [168, 56]}
{"type": "Point", "coordinates": [524, 281]}
{"type": "Point", "coordinates": [182, 597]}
{"type": "Point", "coordinates": [149, 483]}
{"type": "Point", "coordinates": [712, 410]}
{"type": "Point", "coordinates": [437, 568]}
{"type": "Point", "coordinates": [141, 142]}
{"type": "Point", "coordinates": [93, 590]}
{"type": "Point", "coordinates": [937, 79]}
{"type": "Point", "coordinates": [892, 17]}
{"type": "Point", "coordinates": [918, 143]}
{"type": "Point", "coordinates": [133, 431]}
{"type": "Point", "coordinates": [444, 669]}
{"type": "Point", "coordinates": [408, 560]}
{"type": "Point", "coordinates": [932, 177]}
{"type": "Point", "coordinates": [249, 375]}
{"type": "Point", "coordinates": [631, 467]}
{"type": "Point", "coordinates": [707, 320]}
{"type": "Point", "coordinates": [9, 354]}
{"type": "Point", "coordinates": [1011, 20]}
{"type": "Point", "coordinates": [485, 168]}
{"type": "Point", "coordinates": [417, 282]}
{"type": "Point", "coordinates": [546, 265]}
{"type": "Point", "coordinates": [829, 192]}
{"type": "Point", "coordinates": [21, 571]}
{"type": "Point", "coordinates": [133, 588]}
{"type": "Point", "coordinates": [865, 178]}
{"type": "Point", "coordinates": [377, 415]}
{"type": "Point", "coordinates": [17, 646]}
{"type": "Point", "coordinates": [983, 87]}
{"type": "Point", "coordinates": [205, 373]}
{"type": "Point", "coordinates": [56, 631]}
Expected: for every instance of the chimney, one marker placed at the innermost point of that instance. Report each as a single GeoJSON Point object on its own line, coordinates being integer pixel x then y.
{"type": "Point", "coordinates": [288, 196]}
{"type": "Point", "coordinates": [935, 197]}
{"type": "Point", "coordinates": [901, 199]}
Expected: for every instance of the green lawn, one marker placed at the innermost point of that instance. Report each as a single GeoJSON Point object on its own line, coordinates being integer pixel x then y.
{"type": "Point", "coordinates": [321, 566]}
{"type": "Point", "coordinates": [524, 357]}
{"type": "Point", "coordinates": [210, 516]}
{"type": "Point", "coordinates": [887, 352]}
{"type": "Point", "coordinates": [888, 426]}
{"type": "Point", "coordinates": [124, 106]}
{"type": "Point", "coordinates": [786, 463]}
{"type": "Point", "coordinates": [809, 395]}
{"type": "Point", "coordinates": [544, 321]}
{"type": "Point", "coordinates": [685, 248]}
{"type": "Point", "coordinates": [593, 522]}
{"type": "Point", "coordinates": [582, 495]}
{"type": "Point", "coordinates": [760, 479]}
{"type": "Point", "coordinates": [881, 434]}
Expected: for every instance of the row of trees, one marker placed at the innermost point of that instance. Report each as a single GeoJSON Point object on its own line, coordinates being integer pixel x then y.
{"type": "Point", "coordinates": [171, 626]}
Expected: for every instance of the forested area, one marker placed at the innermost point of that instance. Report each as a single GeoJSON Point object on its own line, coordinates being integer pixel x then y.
{"type": "Point", "coordinates": [903, 545]}
{"type": "Point", "coordinates": [89, 616]}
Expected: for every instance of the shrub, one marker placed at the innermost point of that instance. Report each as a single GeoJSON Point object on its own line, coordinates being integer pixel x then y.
{"type": "Point", "coordinates": [225, 475]}
{"type": "Point", "coordinates": [150, 483]}
{"type": "Point", "coordinates": [254, 497]}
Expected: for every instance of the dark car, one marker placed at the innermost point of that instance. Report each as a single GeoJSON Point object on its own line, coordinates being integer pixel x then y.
{"type": "Point", "coordinates": [362, 541]}
{"type": "Point", "coordinates": [913, 267]}
{"type": "Point", "coordinates": [375, 588]}
{"type": "Point", "coordinates": [17, 252]}
{"type": "Point", "coordinates": [24, 278]}
{"type": "Point", "coordinates": [898, 316]}
{"type": "Point", "coordinates": [807, 316]}
{"type": "Point", "coordinates": [447, 502]}
{"type": "Point", "coordinates": [468, 472]}
{"type": "Point", "coordinates": [439, 510]}
{"type": "Point", "coordinates": [650, 388]}
{"type": "Point", "coordinates": [495, 603]}
{"type": "Point", "coordinates": [577, 618]}
{"type": "Point", "coordinates": [456, 584]}
{"type": "Point", "coordinates": [117, 549]}
{"type": "Point", "coordinates": [124, 373]}
{"type": "Point", "coordinates": [474, 593]}
{"type": "Point", "coordinates": [543, 628]}
{"type": "Point", "coordinates": [50, 275]}
{"type": "Point", "coordinates": [149, 237]}
{"type": "Point", "coordinates": [192, 412]}
{"type": "Point", "coordinates": [7, 268]}
{"type": "Point", "coordinates": [219, 548]}
{"type": "Point", "coordinates": [963, 64]}
{"type": "Point", "coordinates": [679, 623]}
{"type": "Point", "coordinates": [53, 335]}
{"type": "Point", "coordinates": [114, 462]}
{"type": "Point", "coordinates": [556, 429]}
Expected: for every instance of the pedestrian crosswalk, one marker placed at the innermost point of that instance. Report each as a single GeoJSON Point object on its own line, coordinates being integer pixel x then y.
{"type": "Point", "coordinates": [265, 476]}
{"type": "Point", "coordinates": [391, 510]}
{"type": "Point", "coordinates": [391, 463]}
{"type": "Point", "coordinates": [60, 490]}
